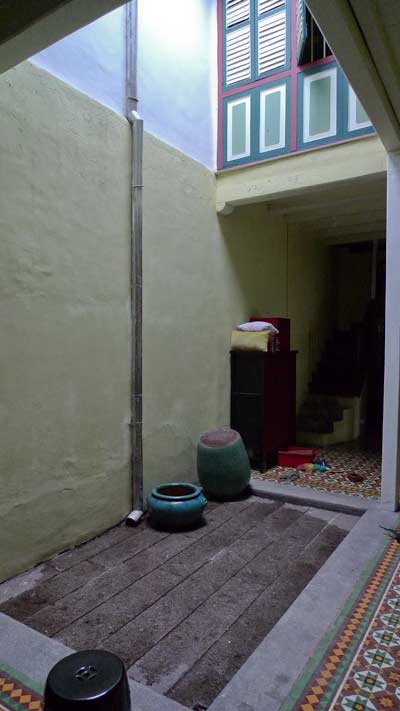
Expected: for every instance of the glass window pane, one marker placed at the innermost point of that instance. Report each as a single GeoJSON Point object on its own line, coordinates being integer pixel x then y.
{"type": "Point", "coordinates": [361, 115]}
{"type": "Point", "coordinates": [239, 129]}
{"type": "Point", "coordinates": [320, 106]}
{"type": "Point", "coordinates": [272, 135]}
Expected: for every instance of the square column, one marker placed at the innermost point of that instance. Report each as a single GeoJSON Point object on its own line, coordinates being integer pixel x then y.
{"type": "Point", "coordinates": [391, 410]}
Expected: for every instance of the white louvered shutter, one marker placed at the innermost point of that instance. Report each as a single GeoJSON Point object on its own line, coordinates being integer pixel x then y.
{"type": "Point", "coordinates": [301, 29]}
{"type": "Point", "coordinates": [266, 5]}
{"type": "Point", "coordinates": [238, 55]}
{"type": "Point", "coordinates": [272, 42]}
{"type": "Point", "coordinates": [237, 11]}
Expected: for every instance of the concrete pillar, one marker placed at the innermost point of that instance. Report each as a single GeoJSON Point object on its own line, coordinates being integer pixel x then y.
{"type": "Point", "coordinates": [391, 410]}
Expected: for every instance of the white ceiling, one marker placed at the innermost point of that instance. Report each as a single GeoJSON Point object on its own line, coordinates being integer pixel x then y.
{"type": "Point", "coordinates": [341, 215]}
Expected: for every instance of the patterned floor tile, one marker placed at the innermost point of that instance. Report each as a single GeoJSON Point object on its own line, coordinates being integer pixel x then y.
{"type": "Point", "coordinates": [345, 459]}
{"type": "Point", "coordinates": [366, 676]}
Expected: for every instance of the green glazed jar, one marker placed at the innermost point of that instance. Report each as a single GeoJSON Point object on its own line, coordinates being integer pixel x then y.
{"type": "Point", "coordinates": [177, 505]}
{"type": "Point", "coordinates": [223, 465]}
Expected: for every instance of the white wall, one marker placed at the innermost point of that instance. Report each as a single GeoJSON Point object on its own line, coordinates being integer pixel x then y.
{"type": "Point", "coordinates": [177, 69]}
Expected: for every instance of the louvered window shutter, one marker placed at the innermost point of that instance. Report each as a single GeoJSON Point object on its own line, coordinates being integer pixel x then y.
{"type": "Point", "coordinates": [301, 28]}
{"type": "Point", "coordinates": [271, 40]}
{"type": "Point", "coordinates": [266, 5]}
{"type": "Point", "coordinates": [238, 55]}
{"type": "Point", "coordinates": [236, 11]}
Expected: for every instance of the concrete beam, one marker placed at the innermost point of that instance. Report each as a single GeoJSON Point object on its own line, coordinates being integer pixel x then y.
{"type": "Point", "coordinates": [391, 409]}
{"type": "Point", "coordinates": [292, 176]}
{"type": "Point", "coordinates": [343, 33]}
{"type": "Point", "coordinates": [27, 28]}
{"type": "Point", "coordinates": [370, 20]}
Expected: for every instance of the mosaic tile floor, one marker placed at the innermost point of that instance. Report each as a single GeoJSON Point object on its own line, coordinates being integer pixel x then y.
{"type": "Point", "coordinates": [345, 460]}
{"type": "Point", "coordinates": [17, 692]}
{"type": "Point", "coordinates": [358, 666]}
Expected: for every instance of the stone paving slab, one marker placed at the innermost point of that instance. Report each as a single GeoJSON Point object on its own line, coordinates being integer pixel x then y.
{"type": "Point", "coordinates": [169, 603]}
{"type": "Point", "coordinates": [50, 591]}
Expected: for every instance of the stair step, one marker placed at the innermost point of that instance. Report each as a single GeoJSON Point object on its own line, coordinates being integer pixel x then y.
{"type": "Point", "coordinates": [342, 432]}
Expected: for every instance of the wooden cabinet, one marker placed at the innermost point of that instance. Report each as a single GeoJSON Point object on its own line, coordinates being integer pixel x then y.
{"type": "Point", "coordinates": [263, 402]}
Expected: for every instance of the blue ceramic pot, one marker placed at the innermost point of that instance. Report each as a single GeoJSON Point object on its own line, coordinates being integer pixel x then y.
{"type": "Point", "coordinates": [177, 505]}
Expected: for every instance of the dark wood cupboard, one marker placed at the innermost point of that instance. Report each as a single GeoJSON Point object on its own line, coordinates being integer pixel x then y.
{"type": "Point", "coordinates": [263, 403]}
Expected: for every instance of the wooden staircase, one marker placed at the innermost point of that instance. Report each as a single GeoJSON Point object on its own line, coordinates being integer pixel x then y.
{"type": "Point", "coordinates": [331, 411]}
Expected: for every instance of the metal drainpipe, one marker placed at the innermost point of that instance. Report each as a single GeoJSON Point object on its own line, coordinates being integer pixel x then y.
{"type": "Point", "coordinates": [136, 292]}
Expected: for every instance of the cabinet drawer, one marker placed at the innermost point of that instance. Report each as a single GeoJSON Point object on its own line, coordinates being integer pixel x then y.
{"type": "Point", "coordinates": [247, 372]}
{"type": "Point", "coordinates": [247, 412]}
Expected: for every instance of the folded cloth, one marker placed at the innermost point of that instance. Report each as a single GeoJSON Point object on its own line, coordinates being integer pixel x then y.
{"type": "Point", "coordinates": [250, 341]}
{"type": "Point", "coordinates": [258, 326]}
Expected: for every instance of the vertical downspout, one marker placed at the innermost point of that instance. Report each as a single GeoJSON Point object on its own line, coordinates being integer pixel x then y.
{"type": "Point", "coordinates": [136, 290]}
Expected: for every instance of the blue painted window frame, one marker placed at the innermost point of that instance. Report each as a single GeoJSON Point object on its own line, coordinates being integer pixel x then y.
{"type": "Point", "coordinates": [342, 111]}
{"type": "Point", "coordinates": [253, 23]}
{"type": "Point", "coordinates": [307, 145]}
{"type": "Point", "coordinates": [358, 133]}
{"type": "Point", "coordinates": [255, 154]}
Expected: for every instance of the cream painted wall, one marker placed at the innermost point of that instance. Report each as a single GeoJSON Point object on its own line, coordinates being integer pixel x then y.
{"type": "Point", "coordinates": [64, 353]}
{"type": "Point", "coordinates": [202, 276]}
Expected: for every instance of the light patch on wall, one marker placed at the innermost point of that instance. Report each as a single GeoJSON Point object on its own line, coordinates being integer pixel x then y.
{"type": "Point", "coordinates": [177, 74]}
{"type": "Point", "coordinates": [180, 17]}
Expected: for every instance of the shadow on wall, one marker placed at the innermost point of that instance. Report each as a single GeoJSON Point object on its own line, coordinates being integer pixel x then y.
{"type": "Point", "coordinates": [256, 247]}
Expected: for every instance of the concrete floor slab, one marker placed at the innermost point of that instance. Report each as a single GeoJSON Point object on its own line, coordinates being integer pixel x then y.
{"type": "Point", "coordinates": [171, 605]}
{"type": "Point", "coordinates": [313, 498]}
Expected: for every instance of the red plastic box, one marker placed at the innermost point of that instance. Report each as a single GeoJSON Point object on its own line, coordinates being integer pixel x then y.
{"type": "Point", "coordinates": [283, 326]}
{"type": "Point", "coordinates": [296, 456]}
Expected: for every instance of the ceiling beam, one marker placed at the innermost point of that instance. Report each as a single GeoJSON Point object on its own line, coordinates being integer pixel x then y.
{"type": "Point", "coordinates": [28, 27]}
{"type": "Point", "coordinates": [335, 169]}
{"type": "Point", "coordinates": [350, 239]}
{"type": "Point", "coordinates": [369, 18]}
{"type": "Point", "coordinates": [320, 206]}
{"type": "Point", "coordinates": [342, 31]}
{"type": "Point", "coordinates": [332, 215]}
{"type": "Point", "coordinates": [354, 229]}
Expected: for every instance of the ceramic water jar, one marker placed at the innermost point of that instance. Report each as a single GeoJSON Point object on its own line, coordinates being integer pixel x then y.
{"type": "Point", "coordinates": [177, 505]}
{"type": "Point", "coordinates": [223, 465]}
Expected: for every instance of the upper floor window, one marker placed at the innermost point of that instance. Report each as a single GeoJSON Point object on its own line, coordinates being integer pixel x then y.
{"type": "Point", "coordinates": [256, 39]}
{"type": "Point", "coordinates": [311, 43]}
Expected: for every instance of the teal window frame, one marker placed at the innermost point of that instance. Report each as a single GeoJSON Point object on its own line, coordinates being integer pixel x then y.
{"type": "Point", "coordinates": [255, 154]}
{"type": "Point", "coordinates": [342, 111]}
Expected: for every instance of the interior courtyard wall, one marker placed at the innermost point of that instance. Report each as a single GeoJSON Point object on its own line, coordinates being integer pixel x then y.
{"type": "Point", "coordinates": [64, 285]}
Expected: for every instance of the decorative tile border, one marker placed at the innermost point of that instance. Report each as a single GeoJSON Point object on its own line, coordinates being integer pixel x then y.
{"type": "Point", "coordinates": [17, 692]}
{"type": "Point", "coordinates": [358, 667]}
